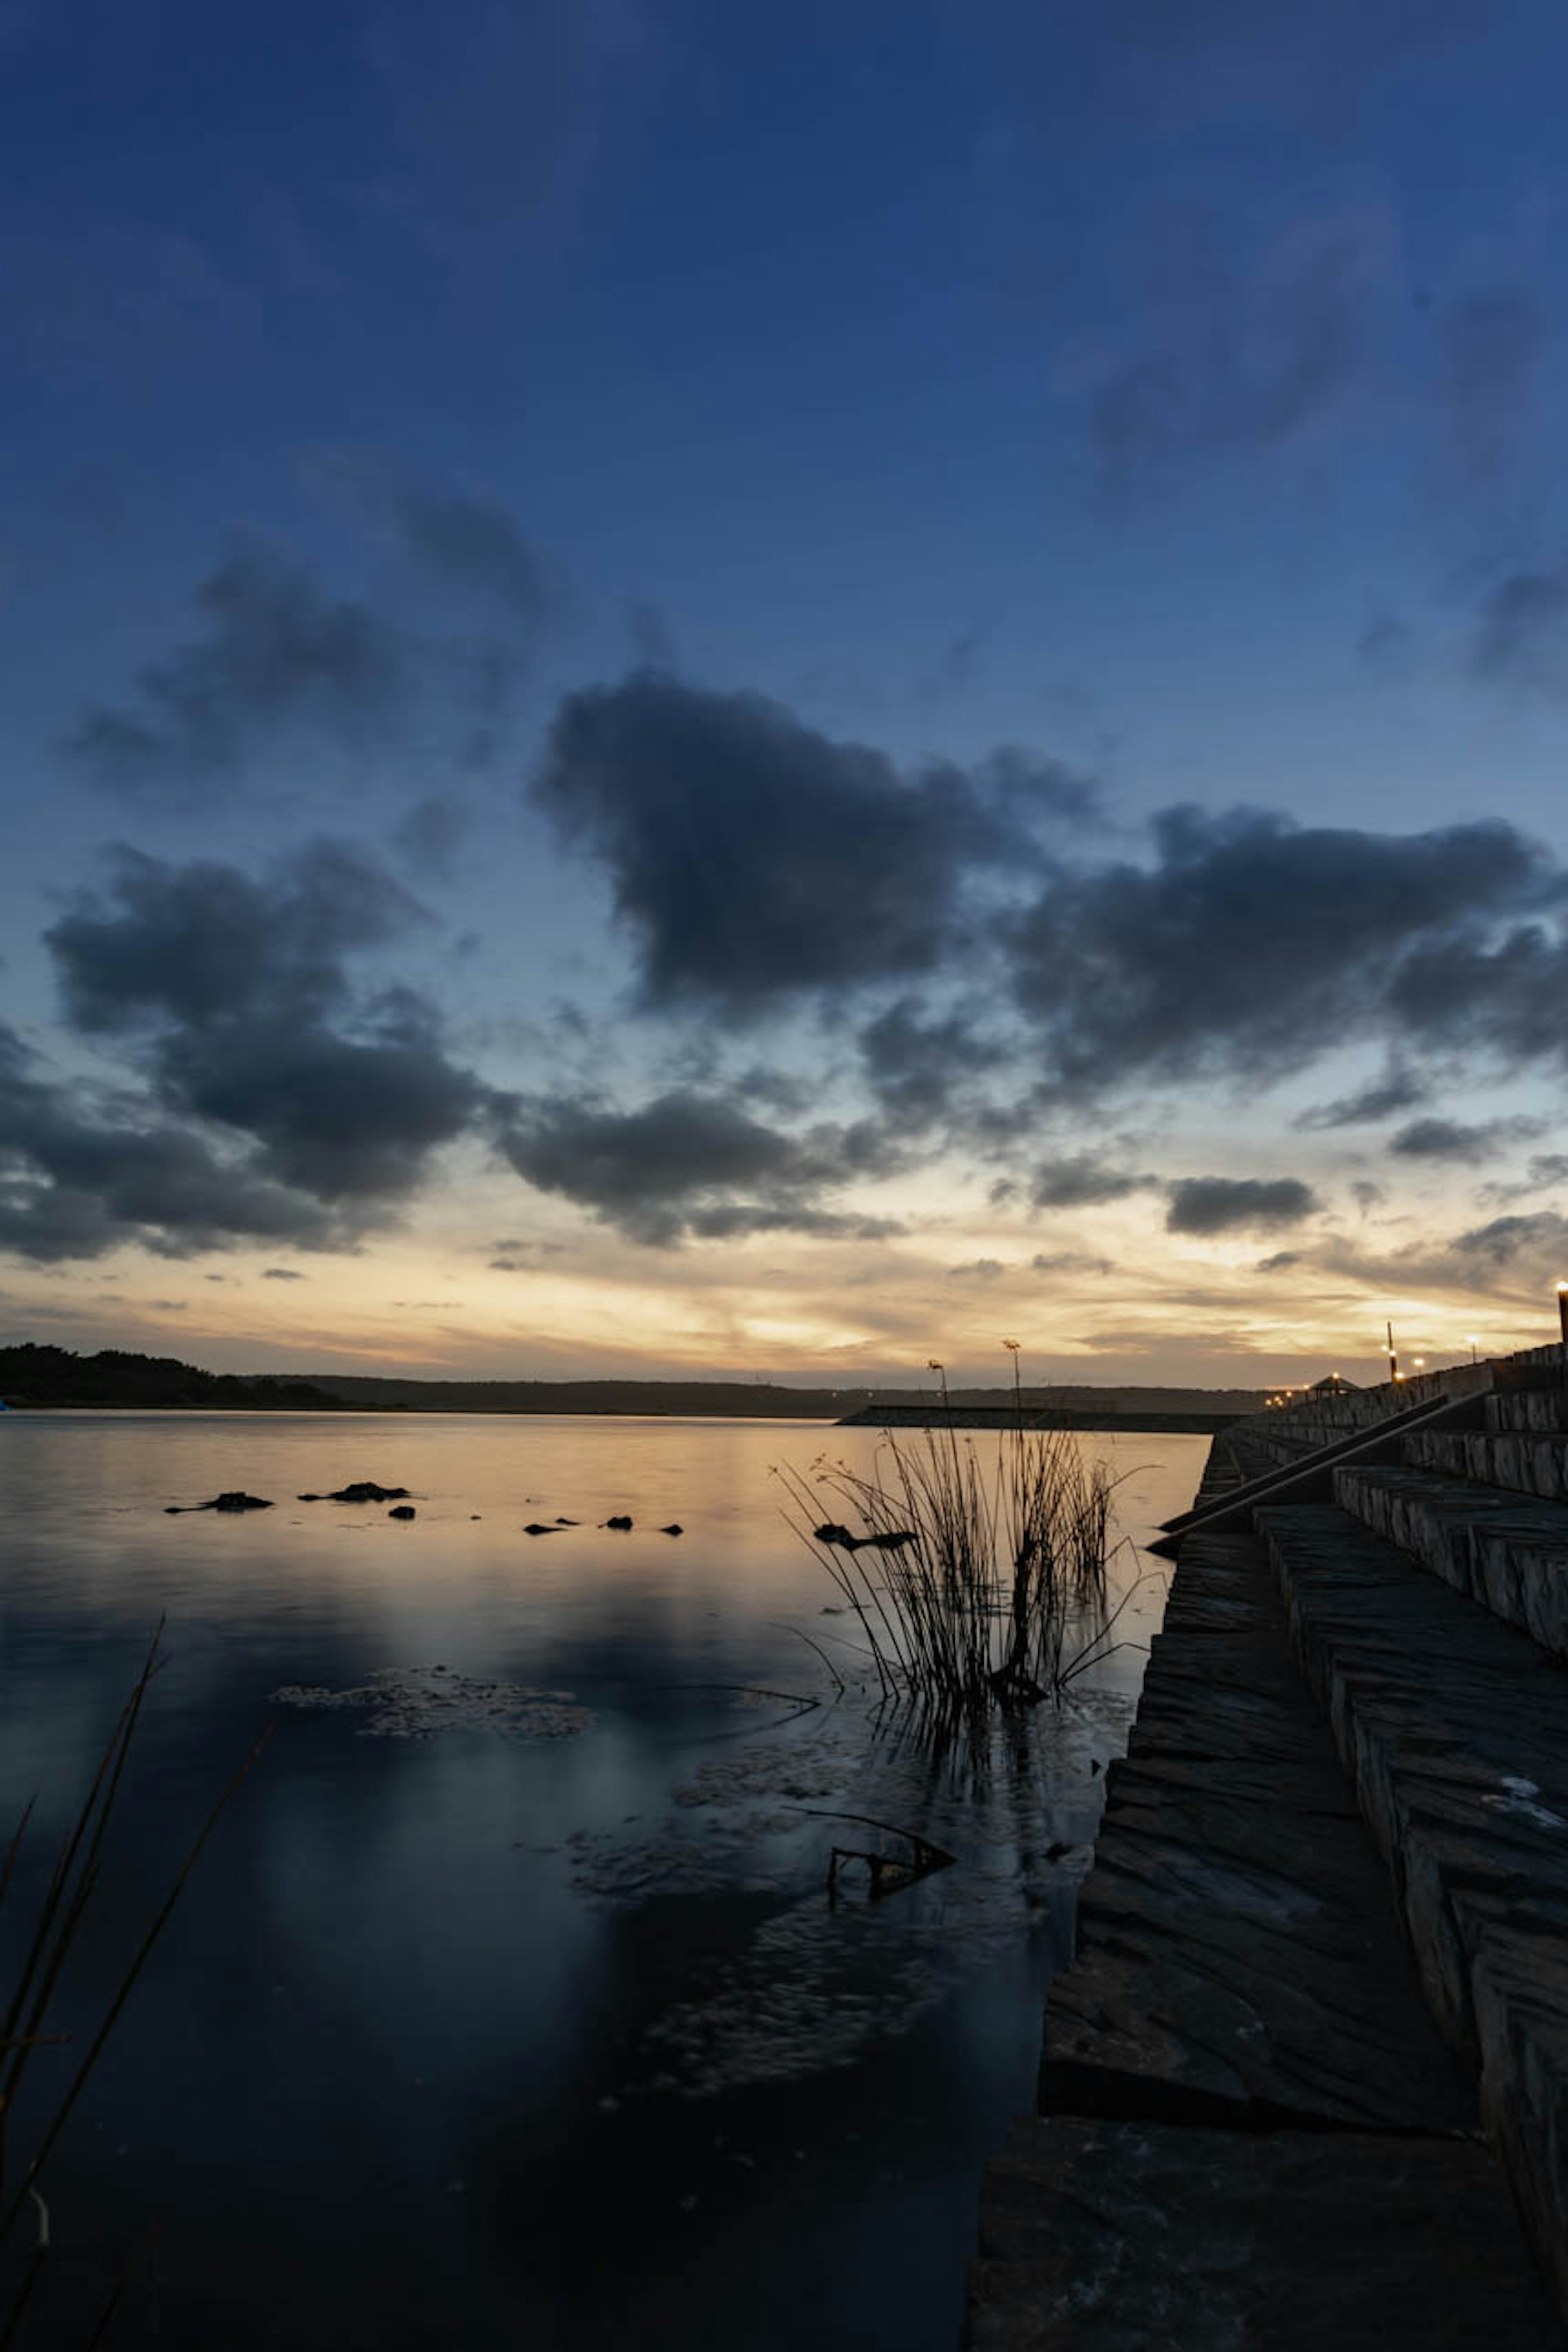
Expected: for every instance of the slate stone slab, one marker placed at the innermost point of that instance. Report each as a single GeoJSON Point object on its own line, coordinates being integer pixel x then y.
{"type": "Point", "coordinates": [1133, 2237]}
{"type": "Point", "coordinates": [1239, 1957]}
{"type": "Point", "coordinates": [1509, 1552]}
{"type": "Point", "coordinates": [1455, 1726]}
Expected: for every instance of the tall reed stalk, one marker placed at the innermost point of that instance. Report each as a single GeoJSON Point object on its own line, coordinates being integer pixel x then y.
{"type": "Point", "coordinates": [975, 1588]}
{"type": "Point", "coordinates": [37, 1968]}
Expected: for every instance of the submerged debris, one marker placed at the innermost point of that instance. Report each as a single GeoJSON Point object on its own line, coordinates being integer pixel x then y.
{"type": "Point", "coordinates": [409, 1703]}
{"type": "Point", "coordinates": [234, 1500]}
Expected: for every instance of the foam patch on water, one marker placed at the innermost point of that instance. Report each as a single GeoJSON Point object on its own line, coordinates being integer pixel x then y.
{"type": "Point", "coordinates": [413, 1702]}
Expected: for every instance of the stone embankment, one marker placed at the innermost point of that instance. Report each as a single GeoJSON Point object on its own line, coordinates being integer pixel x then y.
{"type": "Point", "coordinates": [1306, 2081]}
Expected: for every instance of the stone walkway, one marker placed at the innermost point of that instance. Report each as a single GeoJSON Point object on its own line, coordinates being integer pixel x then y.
{"type": "Point", "coordinates": [1321, 1982]}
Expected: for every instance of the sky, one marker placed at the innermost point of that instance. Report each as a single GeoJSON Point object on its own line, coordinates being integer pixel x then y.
{"type": "Point", "coordinates": [779, 693]}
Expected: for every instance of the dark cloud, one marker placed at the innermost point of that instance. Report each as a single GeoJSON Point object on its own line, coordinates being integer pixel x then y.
{"type": "Point", "coordinates": [282, 1273]}
{"type": "Point", "coordinates": [278, 666]}
{"type": "Point", "coordinates": [684, 1164]}
{"type": "Point", "coordinates": [977, 1269]}
{"type": "Point", "coordinates": [1069, 1262]}
{"type": "Point", "coordinates": [1080, 1182]}
{"type": "Point", "coordinates": [920, 1068]}
{"type": "Point", "coordinates": [1252, 946]}
{"type": "Point", "coordinates": [80, 1174]}
{"type": "Point", "coordinates": [1492, 342]}
{"type": "Point", "coordinates": [237, 996]}
{"type": "Point", "coordinates": [1502, 1243]}
{"type": "Point", "coordinates": [753, 857]}
{"type": "Point", "coordinates": [1451, 1140]}
{"type": "Point", "coordinates": [1224, 1205]}
{"type": "Point", "coordinates": [203, 943]}
{"type": "Point", "coordinates": [1280, 1260]}
{"type": "Point", "coordinates": [1398, 1090]}
{"type": "Point", "coordinates": [465, 539]}
{"type": "Point", "coordinates": [1549, 1168]}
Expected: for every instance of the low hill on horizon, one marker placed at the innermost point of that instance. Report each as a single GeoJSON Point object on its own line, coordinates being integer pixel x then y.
{"type": "Point", "coordinates": [32, 1374]}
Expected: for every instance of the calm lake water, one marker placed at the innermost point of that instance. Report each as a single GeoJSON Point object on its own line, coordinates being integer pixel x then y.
{"type": "Point", "coordinates": [541, 2029]}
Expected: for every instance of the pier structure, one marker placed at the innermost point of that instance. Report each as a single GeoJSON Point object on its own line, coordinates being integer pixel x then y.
{"type": "Point", "coordinates": [1306, 2080]}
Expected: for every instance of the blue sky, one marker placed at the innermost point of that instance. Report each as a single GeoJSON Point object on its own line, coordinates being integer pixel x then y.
{"type": "Point", "coordinates": [650, 569]}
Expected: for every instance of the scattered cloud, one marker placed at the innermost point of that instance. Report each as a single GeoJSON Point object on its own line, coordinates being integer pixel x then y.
{"type": "Point", "coordinates": [1521, 632]}
{"type": "Point", "coordinates": [688, 1165]}
{"type": "Point", "coordinates": [282, 1273]}
{"type": "Point", "coordinates": [1245, 353]}
{"type": "Point", "coordinates": [1452, 1139]}
{"type": "Point", "coordinates": [465, 539]}
{"type": "Point", "coordinates": [235, 995]}
{"type": "Point", "coordinates": [754, 858]}
{"type": "Point", "coordinates": [1080, 1182]}
{"type": "Point", "coordinates": [278, 664]}
{"type": "Point", "coordinates": [1398, 1090]}
{"type": "Point", "coordinates": [1224, 1205]}
{"type": "Point", "coordinates": [1252, 945]}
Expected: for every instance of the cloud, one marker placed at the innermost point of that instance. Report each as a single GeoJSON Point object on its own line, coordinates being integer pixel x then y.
{"type": "Point", "coordinates": [753, 857]}
{"type": "Point", "coordinates": [468, 540]}
{"type": "Point", "coordinates": [236, 995]}
{"type": "Point", "coordinates": [1451, 1140]}
{"type": "Point", "coordinates": [1280, 1260]}
{"type": "Point", "coordinates": [1398, 1090]}
{"type": "Point", "coordinates": [920, 1068]}
{"type": "Point", "coordinates": [1222, 1204]}
{"type": "Point", "coordinates": [976, 1269]}
{"type": "Point", "coordinates": [684, 1164]}
{"type": "Point", "coordinates": [1252, 946]}
{"type": "Point", "coordinates": [1081, 1181]}
{"type": "Point", "coordinates": [276, 664]}
{"type": "Point", "coordinates": [1250, 351]}
{"type": "Point", "coordinates": [282, 1273]}
{"type": "Point", "coordinates": [81, 1175]}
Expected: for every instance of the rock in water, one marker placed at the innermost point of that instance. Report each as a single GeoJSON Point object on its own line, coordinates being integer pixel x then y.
{"type": "Point", "coordinates": [400, 1511]}
{"type": "Point", "coordinates": [363, 1490]}
{"type": "Point", "coordinates": [832, 1533]}
{"type": "Point", "coordinates": [621, 1522]}
{"type": "Point", "coordinates": [674, 1528]}
{"type": "Point", "coordinates": [233, 1501]}
{"type": "Point", "coordinates": [533, 1529]}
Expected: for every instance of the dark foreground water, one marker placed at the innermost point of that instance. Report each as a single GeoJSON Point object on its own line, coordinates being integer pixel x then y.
{"type": "Point", "coordinates": [507, 2006]}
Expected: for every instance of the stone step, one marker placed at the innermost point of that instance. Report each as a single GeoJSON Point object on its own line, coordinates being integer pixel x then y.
{"type": "Point", "coordinates": [1508, 1552]}
{"type": "Point", "coordinates": [1238, 1954]}
{"type": "Point", "coordinates": [1454, 1727]}
{"type": "Point", "coordinates": [1521, 1461]}
{"type": "Point", "coordinates": [1542, 1409]}
{"type": "Point", "coordinates": [1097, 2236]}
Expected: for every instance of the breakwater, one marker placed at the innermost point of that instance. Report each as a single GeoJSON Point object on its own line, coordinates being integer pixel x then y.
{"type": "Point", "coordinates": [1307, 2076]}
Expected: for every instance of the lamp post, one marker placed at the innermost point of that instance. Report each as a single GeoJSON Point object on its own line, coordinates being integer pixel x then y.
{"type": "Point", "coordinates": [1562, 1319]}
{"type": "Point", "coordinates": [1393, 1359]}
{"type": "Point", "coordinates": [1471, 1342]}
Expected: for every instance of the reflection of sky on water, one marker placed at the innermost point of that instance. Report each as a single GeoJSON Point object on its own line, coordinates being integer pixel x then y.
{"type": "Point", "coordinates": [430, 2008]}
